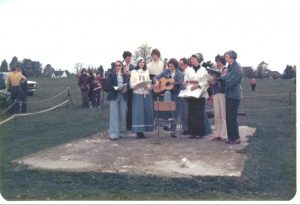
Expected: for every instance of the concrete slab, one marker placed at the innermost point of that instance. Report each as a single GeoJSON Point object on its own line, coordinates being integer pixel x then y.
{"type": "Point", "coordinates": [149, 156]}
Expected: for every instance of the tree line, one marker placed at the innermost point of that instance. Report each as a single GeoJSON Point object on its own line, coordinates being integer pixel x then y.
{"type": "Point", "coordinates": [31, 67]}
{"type": "Point", "coordinates": [34, 68]}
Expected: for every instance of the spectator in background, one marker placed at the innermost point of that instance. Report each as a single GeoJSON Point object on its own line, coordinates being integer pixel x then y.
{"type": "Point", "coordinates": [84, 82]}
{"type": "Point", "coordinates": [253, 84]}
{"type": "Point", "coordinates": [24, 89]}
{"type": "Point", "coordinates": [117, 102]}
{"type": "Point", "coordinates": [14, 80]}
{"type": "Point", "coordinates": [97, 89]}
{"type": "Point", "coordinates": [91, 92]}
{"type": "Point", "coordinates": [128, 67]}
{"type": "Point", "coordinates": [233, 94]}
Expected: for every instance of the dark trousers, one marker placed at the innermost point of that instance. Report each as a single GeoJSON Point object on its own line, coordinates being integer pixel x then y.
{"type": "Point", "coordinates": [253, 87]}
{"type": "Point", "coordinates": [23, 100]}
{"type": "Point", "coordinates": [84, 96]}
{"type": "Point", "coordinates": [15, 98]}
{"type": "Point", "coordinates": [129, 110]}
{"type": "Point", "coordinates": [196, 116]}
{"type": "Point", "coordinates": [97, 98]}
{"type": "Point", "coordinates": [232, 107]}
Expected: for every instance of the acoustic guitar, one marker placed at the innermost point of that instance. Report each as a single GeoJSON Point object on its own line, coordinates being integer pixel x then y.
{"type": "Point", "coordinates": [165, 84]}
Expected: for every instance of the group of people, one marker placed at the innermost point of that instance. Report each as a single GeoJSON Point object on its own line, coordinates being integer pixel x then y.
{"type": "Point", "coordinates": [90, 87]}
{"type": "Point", "coordinates": [17, 85]}
{"type": "Point", "coordinates": [131, 100]}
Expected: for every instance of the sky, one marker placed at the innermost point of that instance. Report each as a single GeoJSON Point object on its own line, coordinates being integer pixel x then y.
{"type": "Point", "coordinates": [96, 32]}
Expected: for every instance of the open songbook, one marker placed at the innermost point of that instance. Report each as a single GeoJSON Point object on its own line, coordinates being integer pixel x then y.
{"type": "Point", "coordinates": [143, 84]}
{"type": "Point", "coordinates": [189, 93]}
{"type": "Point", "coordinates": [120, 87]}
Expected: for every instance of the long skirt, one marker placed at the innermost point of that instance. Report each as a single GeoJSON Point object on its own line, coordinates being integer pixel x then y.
{"type": "Point", "coordinates": [142, 113]}
{"type": "Point", "coordinates": [196, 116]}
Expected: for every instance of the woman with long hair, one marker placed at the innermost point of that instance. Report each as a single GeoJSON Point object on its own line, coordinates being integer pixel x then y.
{"type": "Point", "coordinates": [117, 97]}
{"type": "Point", "coordinates": [142, 114]}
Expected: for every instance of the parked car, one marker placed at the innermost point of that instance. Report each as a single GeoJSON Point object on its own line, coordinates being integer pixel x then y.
{"type": "Point", "coordinates": [32, 85]}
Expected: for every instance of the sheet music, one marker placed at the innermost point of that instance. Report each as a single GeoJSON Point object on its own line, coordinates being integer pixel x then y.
{"type": "Point", "coordinates": [121, 87]}
{"type": "Point", "coordinates": [189, 93]}
{"type": "Point", "coordinates": [143, 84]}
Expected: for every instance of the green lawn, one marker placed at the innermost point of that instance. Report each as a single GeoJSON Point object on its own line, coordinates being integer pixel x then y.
{"type": "Point", "coordinates": [269, 173]}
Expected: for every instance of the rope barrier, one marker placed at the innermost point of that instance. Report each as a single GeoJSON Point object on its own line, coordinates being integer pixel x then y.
{"type": "Point", "coordinates": [4, 111]}
{"type": "Point", "coordinates": [33, 113]}
{"type": "Point", "coordinates": [40, 101]}
{"type": "Point", "coordinates": [48, 99]}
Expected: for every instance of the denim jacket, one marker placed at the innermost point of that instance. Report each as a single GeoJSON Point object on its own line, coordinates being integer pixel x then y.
{"type": "Point", "coordinates": [233, 88]}
{"type": "Point", "coordinates": [178, 78]}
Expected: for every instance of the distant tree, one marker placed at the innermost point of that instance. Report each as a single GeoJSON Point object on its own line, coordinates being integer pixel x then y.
{"type": "Point", "coordinates": [101, 70]}
{"type": "Point", "coordinates": [248, 72]}
{"type": "Point", "coordinates": [32, 68]}
{"type": "Point", "coordinates": [78, 66]}
{"type": "Point", "coordinates": [48, 71]}
{"type": "Point", "coordinates": [2, 82]}
{"type": "Point", "coordinates": [4, 66]}
{"type": "Point", "coordinates": [14, 62]}
{"type": "Point", "coordinates": [261, 69]}
{"type": "Point", "coordinates": [143, 51]}
{"type": "Point", "coordinates": [289, 72]}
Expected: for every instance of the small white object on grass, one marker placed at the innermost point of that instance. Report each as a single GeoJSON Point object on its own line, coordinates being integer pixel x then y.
{"type": "Point", "coordinates": [184, 162]}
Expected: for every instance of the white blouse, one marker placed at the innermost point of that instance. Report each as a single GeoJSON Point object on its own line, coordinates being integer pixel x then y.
{"type": "Point", "coordinates": [201, 76]}
{"type": "Point", "coordinates": [138, 76]}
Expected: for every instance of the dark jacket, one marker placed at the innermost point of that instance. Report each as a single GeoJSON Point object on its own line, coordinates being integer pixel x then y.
{"type": "Point", "coordinates": [112, 81]}
{"type": "Point", "coordinates": [233, 79]}
{"type": "Point", "coordinates": [83, 82]}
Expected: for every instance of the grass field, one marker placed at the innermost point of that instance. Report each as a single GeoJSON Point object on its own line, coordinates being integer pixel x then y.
{"type": "Point", "coordinates": [269, 173]}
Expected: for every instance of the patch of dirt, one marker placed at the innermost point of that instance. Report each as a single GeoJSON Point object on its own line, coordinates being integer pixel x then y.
{"type": "Point", "coordinates": [152, 155]}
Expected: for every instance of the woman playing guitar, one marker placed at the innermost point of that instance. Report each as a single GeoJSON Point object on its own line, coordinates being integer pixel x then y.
{"type": "Point", "coordinates": [171, 79]}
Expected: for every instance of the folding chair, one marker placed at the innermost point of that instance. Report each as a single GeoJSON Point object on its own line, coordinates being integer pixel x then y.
{"type": "Point", "coordinates": [164, 114]}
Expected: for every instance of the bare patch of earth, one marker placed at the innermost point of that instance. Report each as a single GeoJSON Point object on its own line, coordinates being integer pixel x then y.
{"type": "Point", "coordinates": [149, 156]}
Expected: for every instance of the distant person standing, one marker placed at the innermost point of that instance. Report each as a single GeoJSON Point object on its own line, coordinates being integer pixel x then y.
{"type": "Point", "coordinates": [233, 94]}
{"type": "Point", "coordinates": [83, 83]}
{"type": "Point", "coordinates": [97, 89]}
{"type": "Point", "coordinates": [14, 80]}
{"type": "Point", "coordinates": [24, 89]}
{"type": "Point", "coordinates": [128, 67]}
{"type": "Point", "coordinates": [253, 84]}
{"type": "Point", "coordinates": [91, 92]}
